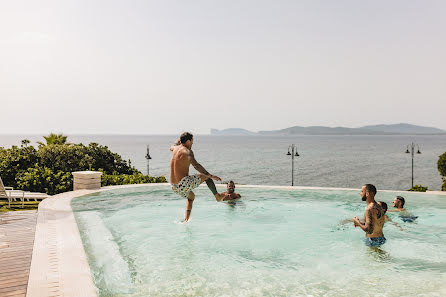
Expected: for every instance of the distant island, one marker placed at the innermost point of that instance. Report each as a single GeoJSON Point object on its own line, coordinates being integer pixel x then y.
{"type": "Point", "coordinates": [394, 129]}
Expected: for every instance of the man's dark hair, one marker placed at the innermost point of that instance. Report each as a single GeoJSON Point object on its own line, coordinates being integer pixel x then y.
{"type": "Point", "coordinates": [185, 137]}
{"type": "Point", "coordinates": [231, 182]}
{"type": "Point", "coordinates": [401, 199]}
{"type": "Point", "coordinates": [383, 205]}
{"type": "Point", "coordinates": [370, 188]}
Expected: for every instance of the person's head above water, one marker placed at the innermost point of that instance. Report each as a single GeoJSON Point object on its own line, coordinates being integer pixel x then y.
{"type": "Point", "coordinates": [368, 190]}
{"type": "Point", "coordinates": [398, 202]}
{"type": "Point", "coordinates": [231, 187]}
{"type": "Point", "coordinates": [383, 205]}
{"type": "Point", "coordinates": [187, 139]}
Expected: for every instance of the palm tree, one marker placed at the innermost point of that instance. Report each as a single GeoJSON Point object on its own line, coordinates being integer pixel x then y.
{"type": "Point", "coordinates": [54, 139]}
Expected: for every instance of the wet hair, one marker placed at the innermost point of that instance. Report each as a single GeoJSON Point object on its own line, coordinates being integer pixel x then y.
{"type": "Point", "coordinates": [383, 205]}
{"type": "Point", "coordinates": [185, 137]}
{"type": "Point", "coordinates": [231, 182]}
{"type": "Point", "coordinates": [370, 188]}
{"type": "Point", "coordinates": [401, 199]}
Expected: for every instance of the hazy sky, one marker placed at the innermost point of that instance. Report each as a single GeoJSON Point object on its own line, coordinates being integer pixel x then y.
{"type": "Point", "coordinates": [163, 67]}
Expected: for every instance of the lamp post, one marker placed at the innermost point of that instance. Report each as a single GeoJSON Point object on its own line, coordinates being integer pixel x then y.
{"type": "Point", "coordinates": [148, 158]}
{"type": "Point", "coordinates": [412, 152]}
{"type": "Point", "coordinates": [293, 154]}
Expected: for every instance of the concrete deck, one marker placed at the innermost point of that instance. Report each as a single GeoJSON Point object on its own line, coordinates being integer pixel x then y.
{"type": "Point", "coordinates": [17, 230]}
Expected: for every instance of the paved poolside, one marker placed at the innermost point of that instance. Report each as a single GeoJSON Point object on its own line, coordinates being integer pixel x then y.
{"type": "Point", "coordinates": [17, 230]}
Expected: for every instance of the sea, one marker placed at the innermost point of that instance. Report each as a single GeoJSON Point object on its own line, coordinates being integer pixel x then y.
{"type": "Point", "coordinates": [323, 161]}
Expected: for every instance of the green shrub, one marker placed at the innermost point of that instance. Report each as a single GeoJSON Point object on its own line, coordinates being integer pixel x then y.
{"type": "Point", "coordinates": [125, 179]}
{"type": "Point", "coordinates": [441, 164]}
{"type": "Point", "coordinates": [43, 179]}
{"type": "Point", "coordinates": [48, 169]}
{"type": "Point", "coordinates": [443, 186]}
{"type": "Point", "coordinates": [419, 188]}
{"type": "Point", "coordinates": [16, 160]}
{"type": "Point", "coordinates": [107, 161]}
{"type": "Point", "coordinates": [63, 157]}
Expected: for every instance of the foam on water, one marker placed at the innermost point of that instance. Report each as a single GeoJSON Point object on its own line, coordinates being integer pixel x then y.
{"type": "Point", "coordinates": [271, 243]}
{"type": "Point", "coordinates": [114, 271]}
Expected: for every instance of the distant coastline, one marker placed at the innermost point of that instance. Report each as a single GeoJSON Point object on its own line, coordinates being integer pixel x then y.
{"type": "Point", "coordinates": [393, 129]}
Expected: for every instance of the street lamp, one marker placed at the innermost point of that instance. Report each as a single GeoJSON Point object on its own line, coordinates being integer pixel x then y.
{"type": "Point", "coordinates": [293, 154]}
{"type": "Point", "coordinates": [412, 152]}
{"type": "Point", "coordinates": [148, 158]}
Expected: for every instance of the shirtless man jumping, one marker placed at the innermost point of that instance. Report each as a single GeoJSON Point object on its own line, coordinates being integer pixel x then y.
{"type": "Point", "coordinates": [182, 182]}
{"type": "Point", "coordinates": [373, 217]}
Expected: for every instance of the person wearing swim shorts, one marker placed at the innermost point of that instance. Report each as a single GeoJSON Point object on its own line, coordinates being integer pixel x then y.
{"type": "Point", "coordinates": [373, 217]}
{"type": "Point", "coordinates": [183, 183]}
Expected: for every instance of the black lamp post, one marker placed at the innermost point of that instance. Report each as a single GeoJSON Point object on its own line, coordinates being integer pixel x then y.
{"type": "Point", "coordinates": [293, 154]}
{"type": "Point", "coordinates": [148, 158]}
{"type": "Point", "coordinates": [412, 152]}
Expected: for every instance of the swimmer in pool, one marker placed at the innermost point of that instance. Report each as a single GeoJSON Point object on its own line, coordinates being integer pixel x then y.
{"type": "Point", "coordinates": [386, 218]}
{"type": "Point", "coordinates": [230, 194]}
{"type": "Point", "coordinates": [384, 207]}
{"type": "Point", "coordinates": [398, 203]}
{"type": "Point", "coordinates": [183, 183]}
{"type": "Point", "coordinates": [405, 216]}
{"type": "Point", "coordinates": [373, 217]}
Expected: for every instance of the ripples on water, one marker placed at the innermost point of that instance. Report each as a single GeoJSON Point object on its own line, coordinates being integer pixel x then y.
{"type": "Point", "coordinates": [270, 243]}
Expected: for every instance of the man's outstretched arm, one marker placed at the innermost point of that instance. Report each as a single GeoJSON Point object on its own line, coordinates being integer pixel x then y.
{"type": "Point", "coordinates": [199, 167]}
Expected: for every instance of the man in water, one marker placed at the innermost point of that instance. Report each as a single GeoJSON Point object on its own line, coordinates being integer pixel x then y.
{"type": "Point", "coordinates": [385, 208]}
{"type": "Point", "coordinates": [398, 203]}
{"type": "Point", "coordinates": [405, 216]}
{"type": "Point", "coordinates": [373, 217]}
{"type": "Point", "coordinates": [183, 183]}
{"type": "Point", "coordinates": [230, 194]}
{"type": "Point", "coordinates": [386, 217]}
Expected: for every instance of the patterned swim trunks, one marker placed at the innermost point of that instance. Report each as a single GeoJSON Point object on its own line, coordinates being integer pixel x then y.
{"type": "Point", "coordinates": [186, 184]}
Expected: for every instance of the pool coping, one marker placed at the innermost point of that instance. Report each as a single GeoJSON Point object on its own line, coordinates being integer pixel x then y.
{"type": "Point", "coordinates": [59, 265]}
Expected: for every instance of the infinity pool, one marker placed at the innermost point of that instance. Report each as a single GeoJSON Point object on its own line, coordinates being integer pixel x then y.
{"type": "Point", "coordinates": [274, 242]}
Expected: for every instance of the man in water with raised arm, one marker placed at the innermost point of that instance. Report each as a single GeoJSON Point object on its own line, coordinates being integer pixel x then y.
{"type": "Point", "coordinates": [183, 183]}
{"type": "Point", "coordinates": [373, 217]}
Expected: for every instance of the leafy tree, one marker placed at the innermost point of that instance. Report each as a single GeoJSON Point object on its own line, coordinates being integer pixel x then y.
{"type": "Point", "coordinates": [54, 139]}
{"type": "Point", "coordinates": [441, 165]}
{"type": "Point", "coordinates": [107, 161]}
{"type": "Point", "coordinates": [48, 169]}
{"type": "Point", "coordinates": [43, 179]}
{"type": "Point", "coordinates": [67, 158]}
{"type": "Point", "coordinates": [15, 160]}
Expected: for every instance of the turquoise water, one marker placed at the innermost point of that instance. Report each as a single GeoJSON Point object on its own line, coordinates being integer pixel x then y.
{"type": "Point", "coordinates": [274, 242]}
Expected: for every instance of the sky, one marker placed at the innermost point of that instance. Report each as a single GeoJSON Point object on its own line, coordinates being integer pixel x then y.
{"type": "Point", "coordinates": [168, 66]}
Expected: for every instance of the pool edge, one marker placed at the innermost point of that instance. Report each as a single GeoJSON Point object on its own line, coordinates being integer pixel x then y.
{"type": "Point", "coordinates": [59, 265]}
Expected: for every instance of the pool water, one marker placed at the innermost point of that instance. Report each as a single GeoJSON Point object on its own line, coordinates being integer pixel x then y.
{"type": "Point", "coordinates": [273, 242]}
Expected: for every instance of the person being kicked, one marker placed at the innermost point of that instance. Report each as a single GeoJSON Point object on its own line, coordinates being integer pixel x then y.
{"type": "Point", "coordinates": [230, 194]}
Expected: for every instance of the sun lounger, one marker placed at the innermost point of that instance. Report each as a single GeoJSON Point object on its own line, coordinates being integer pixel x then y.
{"type": "Point", "coordinates": [12, 195]}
